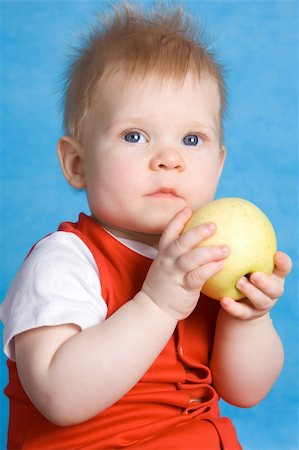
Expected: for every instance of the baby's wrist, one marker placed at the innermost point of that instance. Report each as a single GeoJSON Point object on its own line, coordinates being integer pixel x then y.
{"type": "Point", "coordinates": [150, 301]}
{"type": "Point", "coordinates": [146, 301]}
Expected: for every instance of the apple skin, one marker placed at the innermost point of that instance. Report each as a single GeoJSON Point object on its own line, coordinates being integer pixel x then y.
{"type": "Point", "coordinates": [250, 236]}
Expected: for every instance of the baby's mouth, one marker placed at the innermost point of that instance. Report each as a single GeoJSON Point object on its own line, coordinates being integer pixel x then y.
{"type": "Point", "coordinates": [164, 193]}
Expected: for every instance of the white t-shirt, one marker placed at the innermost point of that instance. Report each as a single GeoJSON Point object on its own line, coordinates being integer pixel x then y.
{"type": "Point", "coordinates": [58, 283]}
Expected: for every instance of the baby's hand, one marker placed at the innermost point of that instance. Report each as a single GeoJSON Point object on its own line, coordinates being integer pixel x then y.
{"type": "Point", "coordinates": [262, 291]}
{"type": "Point", "coordinates": [176, 277]}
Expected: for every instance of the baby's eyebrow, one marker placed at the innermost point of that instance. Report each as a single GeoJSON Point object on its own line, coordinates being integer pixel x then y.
{"type": "Point", "coordinates": [204, 127]}
{"type": "Point", "coordinates": [128, 121]}
{"type": "Point", "coordinates": [202, 124]}
{"type": "Point", "coordinates": [136, 121]}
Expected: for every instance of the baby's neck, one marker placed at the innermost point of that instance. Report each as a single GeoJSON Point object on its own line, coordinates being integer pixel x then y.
{"type": "Point", "coordinates": [145, 238]}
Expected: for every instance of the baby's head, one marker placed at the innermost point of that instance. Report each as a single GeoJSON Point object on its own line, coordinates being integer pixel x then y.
{"type": "Point", "coordinates": [143, 118]}
{"type": "Point", "coordinates": [166, 43]}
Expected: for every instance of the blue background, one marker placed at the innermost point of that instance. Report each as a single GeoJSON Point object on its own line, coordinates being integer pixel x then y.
{"type": "Point", "coordinates": [258, 43]}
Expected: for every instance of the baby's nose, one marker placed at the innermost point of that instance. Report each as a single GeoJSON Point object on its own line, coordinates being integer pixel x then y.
{"type": "Point", "coordinates": [167, 159]}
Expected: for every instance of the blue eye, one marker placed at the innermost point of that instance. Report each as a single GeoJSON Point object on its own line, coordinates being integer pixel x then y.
{"type": "Point", "coordinates": [134, 137]}
{"type": "Point", "coordinates": [192, 140]}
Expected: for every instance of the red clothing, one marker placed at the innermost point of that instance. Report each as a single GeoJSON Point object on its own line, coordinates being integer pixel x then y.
{"type": "Point", "coordinates": [158, 413]}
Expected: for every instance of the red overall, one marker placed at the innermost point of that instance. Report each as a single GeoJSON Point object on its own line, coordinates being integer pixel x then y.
{"type": "Point", "coordinates": [159, 412]}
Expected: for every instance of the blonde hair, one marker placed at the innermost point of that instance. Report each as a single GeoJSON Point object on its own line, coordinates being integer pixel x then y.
{"type": "Point", "coordinates": [167, 42]}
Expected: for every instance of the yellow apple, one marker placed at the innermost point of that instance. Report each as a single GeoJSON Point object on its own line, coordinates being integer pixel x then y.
{"type": "Point", "coordinates": [250, 236]}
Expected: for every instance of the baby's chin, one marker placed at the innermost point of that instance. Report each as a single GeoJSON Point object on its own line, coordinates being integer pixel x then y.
{"type": "Point", "coordinates": [146, 227]}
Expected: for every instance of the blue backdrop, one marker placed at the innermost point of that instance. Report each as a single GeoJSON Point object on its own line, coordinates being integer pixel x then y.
{"type": "Point", "coordinates": [258, 43]}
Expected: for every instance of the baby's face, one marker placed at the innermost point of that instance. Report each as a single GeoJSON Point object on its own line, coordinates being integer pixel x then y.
{"type": "Point", "coordinates": [154, 148]}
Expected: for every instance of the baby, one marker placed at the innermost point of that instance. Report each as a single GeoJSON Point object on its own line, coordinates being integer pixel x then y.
{"type": "Point", "coordinates": [110, 342]}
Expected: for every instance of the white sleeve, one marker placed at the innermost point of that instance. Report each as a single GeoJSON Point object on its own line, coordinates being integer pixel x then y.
{"type": "Point", "coordinates": [57, 284]}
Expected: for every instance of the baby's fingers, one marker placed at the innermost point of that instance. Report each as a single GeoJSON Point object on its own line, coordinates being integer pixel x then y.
{"type": "Point", "coordinates": [271, 286]}
{"type": "Point", "coordinates": [175, 243]}
{"type": "Point", "coordinates": [261, 290]}
{"type": "Point", "coordinates": [174, 228]}
{"type": "Point", "coordinates": [196, 257]}
{"type": "Point", "coordinates": [196, 279]}
{"type": "Point", "coordinates": [242, 310]}
{"type": "Point", "coordinates": [283, 265]}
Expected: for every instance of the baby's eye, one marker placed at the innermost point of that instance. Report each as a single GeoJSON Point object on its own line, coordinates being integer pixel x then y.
{"type": "Point", "coordinates": [135, 137]}
{"type": "Point", "coordinates": [192, 140]}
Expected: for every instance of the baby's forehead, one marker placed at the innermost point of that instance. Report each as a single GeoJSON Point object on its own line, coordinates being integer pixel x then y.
{"type": "Point", "coordinates": [121, 95]}
{"type": "Point", "coordinates": [140, 100]}
{"type": "Point", "coordinates": [146, 83]}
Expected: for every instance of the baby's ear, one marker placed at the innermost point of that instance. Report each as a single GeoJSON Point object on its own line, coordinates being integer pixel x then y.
{"type": "Point", "coordinates": [70, 154]}
{"type": "Point", "coordinates": [222, 157]}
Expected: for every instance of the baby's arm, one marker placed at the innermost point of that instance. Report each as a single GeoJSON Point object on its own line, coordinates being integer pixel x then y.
{"type": "Point", "coordinates": [72, 375]}
{"type": "Point", "coordinates": [248, 354]}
